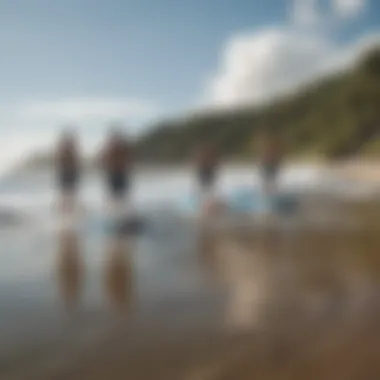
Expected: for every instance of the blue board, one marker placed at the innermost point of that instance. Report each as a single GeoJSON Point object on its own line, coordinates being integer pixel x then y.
{"type": "Point", "coordinates": [248, 200]}
{"type": "Point", "coordinates": [251, 201]}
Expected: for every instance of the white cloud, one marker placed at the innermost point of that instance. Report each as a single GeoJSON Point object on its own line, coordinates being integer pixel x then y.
{"type": "Point", "coordinates": [349, 8]}
{"type": "Point", "coordinates": [85, 109]}
{"type": "Point", "coordinates": [259, 66]}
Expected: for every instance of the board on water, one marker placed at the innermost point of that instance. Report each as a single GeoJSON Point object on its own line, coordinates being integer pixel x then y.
{"type": "Point", "coordinates": [248, 201]}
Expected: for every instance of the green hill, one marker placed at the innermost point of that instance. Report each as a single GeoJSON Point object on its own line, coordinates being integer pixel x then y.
{"type": "Point", "coordinates": [335, 118]}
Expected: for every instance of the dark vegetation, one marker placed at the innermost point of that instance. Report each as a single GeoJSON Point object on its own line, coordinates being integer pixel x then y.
{"type": "Point", "coordinates": [337, 117]}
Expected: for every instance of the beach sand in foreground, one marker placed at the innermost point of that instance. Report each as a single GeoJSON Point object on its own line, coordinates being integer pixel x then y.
{"type": "Point", "coordinates": [264, 305]}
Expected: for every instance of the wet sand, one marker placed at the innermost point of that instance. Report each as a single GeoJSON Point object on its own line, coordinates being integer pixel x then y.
{"type": "Point", "coordinates": [269, 304]}
{"type": "Point", "coordinates": [358, 170]}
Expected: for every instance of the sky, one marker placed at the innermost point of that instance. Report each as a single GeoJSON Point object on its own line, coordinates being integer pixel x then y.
{"type": "Point", "coordinates": [87, 63]}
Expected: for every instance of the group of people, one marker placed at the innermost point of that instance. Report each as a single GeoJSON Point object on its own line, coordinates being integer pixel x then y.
{"type": "Point", "coordinates": [116, 160]}
{"type": "Point", "coordinates": [270, 151]}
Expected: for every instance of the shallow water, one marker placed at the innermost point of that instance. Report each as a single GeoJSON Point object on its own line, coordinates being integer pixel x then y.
{"type": "Point", "coordinates": [150, 187]}
{"type": "Point", "coordinates": [186, 303]}
{"type": "Point", "coordinates": [68, 297]}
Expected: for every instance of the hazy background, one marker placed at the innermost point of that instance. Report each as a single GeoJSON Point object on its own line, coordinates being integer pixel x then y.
{"type": "Point", "coordinates": [89, 63]}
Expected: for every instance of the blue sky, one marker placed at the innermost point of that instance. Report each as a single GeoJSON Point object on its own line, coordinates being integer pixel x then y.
{"type": "Point", "coordinates": [88, 61]}
{"type": "Point", "coordinates": [151, 49]}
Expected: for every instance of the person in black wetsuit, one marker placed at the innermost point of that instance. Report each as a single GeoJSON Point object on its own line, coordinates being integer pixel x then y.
{"type": "Point", "coordinates": [117, 163]}
{"type": "Point", "coordinates": [207, 162]}
{"type": "Point", "coordinates": [68, 168]}
{"type": "Point", "coordinates": [271, 155]}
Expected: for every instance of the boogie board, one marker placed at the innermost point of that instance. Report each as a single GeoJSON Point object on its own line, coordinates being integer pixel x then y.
{"type": "Point", "coordinates": [248, 201]}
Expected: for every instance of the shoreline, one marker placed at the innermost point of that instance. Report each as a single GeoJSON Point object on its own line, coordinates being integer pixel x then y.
{"type": "Point", "coordinates": [361, 170]}
{"type": "Point", "coordinates": [212, 307]}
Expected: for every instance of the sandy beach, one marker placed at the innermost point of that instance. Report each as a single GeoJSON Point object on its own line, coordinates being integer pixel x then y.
{"type": "Point", "coordinates": [288, 301]}
{"type": "Point", "coordinates": [266, 305]}
{"type": "Point", "coordinates": [358, 170]}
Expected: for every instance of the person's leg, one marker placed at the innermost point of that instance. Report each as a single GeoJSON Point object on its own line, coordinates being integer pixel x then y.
{"type": "Point", "coordinates": [68, 201]}
{"type": "Point", "coordinates": [273, 185]}
{"type": "Point", "coordinates": [73, 201]}
{"type": "Point", "coordinates": [63, 205]}
{"type": "Point", "coordinates": [269, 179]}
{"type": "Point", "coordinates": [67, 188]}
{"type": "Point", "coordinates": [208, 196]}
{"type": "Point", "coordinates": [61, 192]}
{"type": "Point", "coordinates": [118, 190]}
{"type": "Point", "coordinates": [72, 191]}
{"type": "Point", "coordinates": [128, 190]}
{"type": "Point", "coordinates": [125, 201]}
{"type": "Point", "coordinates": [111, 185]}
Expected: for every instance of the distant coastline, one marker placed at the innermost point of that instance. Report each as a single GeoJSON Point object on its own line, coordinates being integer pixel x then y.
{"type": "Point", "coordinates": [359, 168]}
{"type": "Point", "coordinates": [333, 122]}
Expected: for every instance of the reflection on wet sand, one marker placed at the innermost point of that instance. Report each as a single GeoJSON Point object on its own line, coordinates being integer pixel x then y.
{"type": "Point", "coordinates": [267, 277]}
{"type": "Point", "coordinates": [310, 297]}
{"type": "Point", "coordinates": [244, 270]}
{"type": "Point", "coordinates": [207, 248]}
{"type": "Point", "coordinates": [118, 273]}
{"type": "Point", "coordinates": [247, 272]}
{"type": "Point", "coordinates": [70, 269]}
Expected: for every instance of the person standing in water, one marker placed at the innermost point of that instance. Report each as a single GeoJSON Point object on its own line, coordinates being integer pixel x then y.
{"type": "Point", "coordinates": [68, 168]}
{"type": "Point", "coordinates": [117, 163]}
{"type": "Point", "coordinates": [207, 162]}
{"type": "Point", "coordinates": [271, 155]}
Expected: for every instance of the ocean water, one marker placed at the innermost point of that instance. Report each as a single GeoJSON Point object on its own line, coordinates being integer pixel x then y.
{"type": "Point", "coordinates": [36, 191]}
{"type": "Point", "coordinates": [33, 195]}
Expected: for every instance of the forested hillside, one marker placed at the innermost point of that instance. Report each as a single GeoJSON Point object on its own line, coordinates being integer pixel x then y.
{"type": "Point", "coordinates": [335, 118]}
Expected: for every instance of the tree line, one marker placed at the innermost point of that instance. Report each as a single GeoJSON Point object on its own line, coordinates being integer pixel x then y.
{"type": "Point", "coordinates": [337, 117]}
